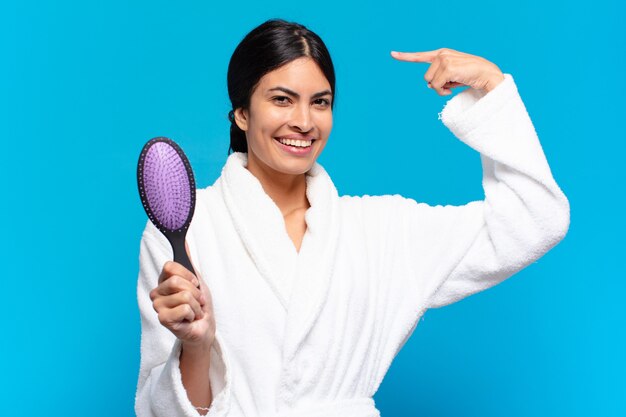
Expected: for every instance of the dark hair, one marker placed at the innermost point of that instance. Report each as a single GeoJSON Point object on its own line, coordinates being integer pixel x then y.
{"type": "Point", "coordinates": [267, 47]}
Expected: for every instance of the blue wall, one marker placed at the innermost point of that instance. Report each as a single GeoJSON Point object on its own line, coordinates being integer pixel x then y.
{"type": "Point", "coordinates": [83, 85]}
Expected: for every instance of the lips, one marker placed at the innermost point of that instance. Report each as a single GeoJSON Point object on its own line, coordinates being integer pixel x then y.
{"type": "Point", "coordinates": [295, 137]}
{"type": "Point", "coordinates": [283, 144]}
{"type": "Point", "coordinates": [294, 150]}
{"type": "Point", "coordinates": [278, 140]}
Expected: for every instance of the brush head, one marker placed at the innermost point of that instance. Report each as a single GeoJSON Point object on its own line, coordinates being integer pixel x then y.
{"type": "Point", "coordinates": [166, 185]}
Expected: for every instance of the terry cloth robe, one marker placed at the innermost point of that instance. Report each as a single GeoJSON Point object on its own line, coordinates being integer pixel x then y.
{"type": "Point", "coordinates": [312, 333]}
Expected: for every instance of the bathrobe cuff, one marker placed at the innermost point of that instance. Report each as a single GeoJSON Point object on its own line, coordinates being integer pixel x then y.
{"type": "Point", "coordinates": [168, 392]}
{"type": "Point", "coordinates": [472, 108]}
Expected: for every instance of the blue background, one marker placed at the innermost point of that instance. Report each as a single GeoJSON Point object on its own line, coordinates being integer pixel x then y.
{"type": "Point", "coordinates": [83, 85]}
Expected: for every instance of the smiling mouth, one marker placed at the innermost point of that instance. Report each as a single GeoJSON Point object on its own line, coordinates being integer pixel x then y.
{"type": "Point", "coordinates": [295, 143]}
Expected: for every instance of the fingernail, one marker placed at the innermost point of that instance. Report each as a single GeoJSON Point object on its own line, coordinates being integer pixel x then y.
{"type": "Point", "coordinates": [195, 282]}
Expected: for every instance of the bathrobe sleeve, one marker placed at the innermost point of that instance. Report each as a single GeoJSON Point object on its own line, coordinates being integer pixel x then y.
{"type": "Point", "coordinates": [461, 250]}
{"type": "Point", "coordinates": [160, 392]}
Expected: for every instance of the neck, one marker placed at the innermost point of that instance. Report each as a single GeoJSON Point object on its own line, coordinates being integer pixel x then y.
{"type": "Point", "coordinates": [288, 191]}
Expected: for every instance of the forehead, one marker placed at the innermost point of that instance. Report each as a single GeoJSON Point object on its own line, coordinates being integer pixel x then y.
{"type": "Point", "coordinates": [302, 74]}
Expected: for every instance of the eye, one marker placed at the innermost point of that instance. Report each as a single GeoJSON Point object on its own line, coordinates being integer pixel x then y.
{"type": "Point", "coordinates": [324, 102]}
{"type": "Point", "coordinates": [280, 99]}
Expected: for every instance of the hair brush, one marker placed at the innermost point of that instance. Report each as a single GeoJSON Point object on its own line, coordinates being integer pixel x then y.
{"type": "Point", "coordinates": [168, 192]}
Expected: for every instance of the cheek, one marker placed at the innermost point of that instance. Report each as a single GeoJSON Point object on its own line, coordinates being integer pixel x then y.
{"type": "Point", "coordinates": [267, 118]}
{"type": "Point", "coordinates": [325, 123]}
{"type": "Point", "coordinates": [274, 117]}
{"type": "Point", "coordinates": [268, 127]}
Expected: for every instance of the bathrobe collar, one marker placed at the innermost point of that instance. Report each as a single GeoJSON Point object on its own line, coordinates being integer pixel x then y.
{"type": "Point", "coordinates": [299, 280]}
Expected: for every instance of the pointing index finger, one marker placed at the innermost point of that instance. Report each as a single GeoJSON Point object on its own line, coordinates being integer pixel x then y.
{"type": "Point", "coordinates": [426, 56]}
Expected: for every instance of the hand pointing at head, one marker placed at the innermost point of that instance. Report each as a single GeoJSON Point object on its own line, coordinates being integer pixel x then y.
{"type": "Point", "coordinates": [450, 68]}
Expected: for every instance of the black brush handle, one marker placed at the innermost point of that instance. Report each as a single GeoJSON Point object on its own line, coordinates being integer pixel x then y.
{"type": "Point", "coordinates": [177, 240]}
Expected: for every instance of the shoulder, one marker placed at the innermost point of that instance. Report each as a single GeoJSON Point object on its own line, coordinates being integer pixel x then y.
{"type": "Point", "coordinates": [382, 223]}
{"type": "Point", "coordinates": [376, 211]}
{"type": "Point", "coordinates": [375, 204]}
{"type": "Point", "coordinates": [395, 210]}
{"type": "Point", "coordinates": [208, 192]}
{"type": "Point", "coordinates": [208, 198]}
{"type": "Point", "coordinates": [210, 212]}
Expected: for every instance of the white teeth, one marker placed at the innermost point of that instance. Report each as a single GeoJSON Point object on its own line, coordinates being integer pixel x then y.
{"type": "Point", "coordinates": [298, 143]}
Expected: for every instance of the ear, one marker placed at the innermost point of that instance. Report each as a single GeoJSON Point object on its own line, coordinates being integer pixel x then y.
{"type": "Point", "coordinates": [241, 118]}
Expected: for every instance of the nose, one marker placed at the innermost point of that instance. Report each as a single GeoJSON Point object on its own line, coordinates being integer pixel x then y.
{"type": "Point", "coordinates": [301, 118]}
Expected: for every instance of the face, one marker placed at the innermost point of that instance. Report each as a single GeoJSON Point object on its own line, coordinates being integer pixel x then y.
{"type": "Point", "coordinates": [293, 102]}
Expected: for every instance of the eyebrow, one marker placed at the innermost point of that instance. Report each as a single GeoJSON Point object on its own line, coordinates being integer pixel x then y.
{"type": "Point", "coordinates": [293, 93]}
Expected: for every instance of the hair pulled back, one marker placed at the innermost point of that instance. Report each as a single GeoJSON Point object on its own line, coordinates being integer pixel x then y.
{"type": "Point", "coordinates": [267, 47]}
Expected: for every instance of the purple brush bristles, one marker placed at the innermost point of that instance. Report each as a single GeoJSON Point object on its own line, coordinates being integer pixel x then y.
{"type": "Point", "coordinates": [167, 191]}
{"type": "Point", "coordinates": [166, 185]}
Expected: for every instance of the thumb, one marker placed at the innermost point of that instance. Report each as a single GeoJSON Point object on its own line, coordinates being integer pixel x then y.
{"type": "Point", "coordinates": [193, 264]}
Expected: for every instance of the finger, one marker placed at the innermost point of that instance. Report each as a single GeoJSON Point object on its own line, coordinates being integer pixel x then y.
{"type": "Point", "coordinates": [205, 297]}
{"type": "Point", "coordinates": [176, 284]}
{"type": "Point", "coordinates": [172, 316]}
{"type": "Point", "coordinates": [171, 268]}
{"type": "Point", "coordinates": [174, 300]}
{"type": "Point", "coordinates": [195, 268]}
{"type": "Point", "coordinates": [440, 78]}
{"type": "Point", "coordinates": [430, 73]}
{"type": "Point", "coordinates": [427, 56]}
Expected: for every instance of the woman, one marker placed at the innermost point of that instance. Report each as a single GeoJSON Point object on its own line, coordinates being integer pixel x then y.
{"type": "Point", "coordinates": [305, 296]}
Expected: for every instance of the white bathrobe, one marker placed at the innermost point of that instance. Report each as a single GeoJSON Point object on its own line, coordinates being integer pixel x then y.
{"type": "Point", "coordinates": [312, 333]}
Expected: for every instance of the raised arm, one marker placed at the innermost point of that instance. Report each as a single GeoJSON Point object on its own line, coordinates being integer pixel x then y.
{"type": "Point", "coordinates": [524, 213]}
{"type": "Point", "coordinates": [456, 251]}
{"type": "Point", "coordinates": [460, 250]}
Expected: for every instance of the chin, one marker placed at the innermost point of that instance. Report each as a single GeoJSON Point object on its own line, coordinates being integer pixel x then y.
{"type": "Point", "coordinates": [295, 167]}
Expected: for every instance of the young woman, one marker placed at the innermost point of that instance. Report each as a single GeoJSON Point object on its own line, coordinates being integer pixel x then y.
{"type": "Point", "coordinates": [306, 296]}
